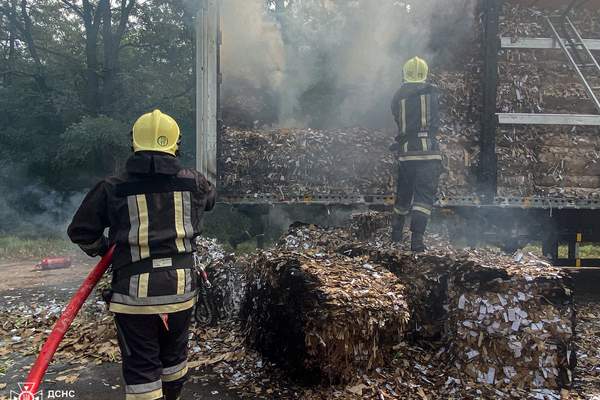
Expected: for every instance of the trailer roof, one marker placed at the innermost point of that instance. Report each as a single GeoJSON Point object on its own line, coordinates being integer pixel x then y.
{"type": "Point", "coordinates": [558, 4]}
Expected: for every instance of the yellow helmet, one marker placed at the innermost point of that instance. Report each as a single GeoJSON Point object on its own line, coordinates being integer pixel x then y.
{"type": "Point", "coordinates": [416, 70]}
{"type": "Point", "coordinates": [156, 131]}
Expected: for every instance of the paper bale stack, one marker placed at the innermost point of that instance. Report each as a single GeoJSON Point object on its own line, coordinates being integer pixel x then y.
{"type": "Point", "coordinates": [512, 326]}
{"type": "Point", "coordinates": [546, 161]}
{"type": "Point", "coordinates": [292, 162]}
{"type": "Point", "coordinates": [503, 321]}
{"type": "Point", "coordinates": [289, 162]}
{"type": "Point", "coordinates": [323, 316]}
{"type": "Point", "coordinates": [425, 279]}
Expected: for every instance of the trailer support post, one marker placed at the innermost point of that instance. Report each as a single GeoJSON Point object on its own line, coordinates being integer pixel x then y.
{"type": "Point", "coordinates": [488, 180]}
{"type": "Point", "coordinates": [207, 88]}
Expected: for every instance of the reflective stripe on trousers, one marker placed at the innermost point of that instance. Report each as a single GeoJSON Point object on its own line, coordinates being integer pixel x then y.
{"type": "Point", "coordinates": [144, 391]}
{"type": "Point", "coordinates": [170, 374]}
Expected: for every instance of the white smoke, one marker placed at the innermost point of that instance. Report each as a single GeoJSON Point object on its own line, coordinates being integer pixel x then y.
{"type": "Point", "coordinates": [348, 55]}
{"type": "Point", "coordinates": [252, 45]}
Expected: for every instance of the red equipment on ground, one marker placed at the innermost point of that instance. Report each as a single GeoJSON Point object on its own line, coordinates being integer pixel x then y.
{"type": "Point", "coordinates": [54, 263]}
{"type": "Point", "coordinates": [40, 366]}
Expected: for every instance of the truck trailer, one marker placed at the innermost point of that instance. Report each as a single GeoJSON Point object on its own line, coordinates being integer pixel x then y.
{"type": "Point", "coordinates": [521, 136]}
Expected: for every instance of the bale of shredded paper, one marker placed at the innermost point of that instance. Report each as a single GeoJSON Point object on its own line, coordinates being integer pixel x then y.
{"type": "Point", "coordinates": [512, 325]}
{"type": "Point", "coordinates": [497, 314]}
{"type": "Point", "coordinates": [324, 317]}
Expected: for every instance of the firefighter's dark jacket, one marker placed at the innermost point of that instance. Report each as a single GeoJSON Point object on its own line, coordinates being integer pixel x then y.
{"type": "Point", "coordinates": [153, 211]}
{"type": "Point", "coordinates": [416, 111]}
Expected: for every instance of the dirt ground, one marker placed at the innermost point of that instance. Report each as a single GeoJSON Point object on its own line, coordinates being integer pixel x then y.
{"type": "Point", "coordinates": [24, 274]}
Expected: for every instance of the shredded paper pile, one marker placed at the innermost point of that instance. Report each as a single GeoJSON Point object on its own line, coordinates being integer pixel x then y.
{"type": "Point", "coordinates": [487, 324]}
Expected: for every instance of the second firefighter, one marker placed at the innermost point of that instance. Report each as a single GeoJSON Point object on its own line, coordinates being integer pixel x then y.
{"type": "Point", "coordinates": [416, 111]}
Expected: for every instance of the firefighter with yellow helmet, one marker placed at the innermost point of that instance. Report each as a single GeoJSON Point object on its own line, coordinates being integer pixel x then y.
{"type": "Point", "coordinates": [416, 110]}
{"type": "Point", "coordinates": [153, 210]}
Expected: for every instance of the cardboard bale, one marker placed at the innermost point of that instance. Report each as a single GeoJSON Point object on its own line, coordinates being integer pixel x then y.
{"type": "Point", "coordinates": [426, 280]}
{"type": "Point", "coordinates": [512, 325]}
{"type": "Point", "coordinates": [548, 162]}
{"type": "Point", "coordinates": [324, 317]}
{"type": "Point", "coordinates": [424, 277]}
{"type": "Point", "coordinates": [497, 314]}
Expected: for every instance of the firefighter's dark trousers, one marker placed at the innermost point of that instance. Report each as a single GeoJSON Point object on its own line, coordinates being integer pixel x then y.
{"type": "Point", "coordinates": [154, 358]}
{"type": "Point", "coordinates": [415, 194]}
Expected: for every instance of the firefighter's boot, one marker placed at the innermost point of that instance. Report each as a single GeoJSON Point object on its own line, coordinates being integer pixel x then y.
{"type": "Point", "coordinates": [417, 245]}
{"type": "Point", "coordinates": [397, 228]}
{"type": "Point", "coordinates": [172, 392]}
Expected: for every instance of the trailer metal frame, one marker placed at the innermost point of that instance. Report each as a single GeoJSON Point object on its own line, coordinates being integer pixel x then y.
{"type": "Point", "coordinates": [541, 43]}
{"type": "Point", "coordinates": [548, 119]}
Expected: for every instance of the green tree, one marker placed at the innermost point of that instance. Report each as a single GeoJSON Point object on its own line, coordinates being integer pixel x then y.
{"type": "Point", "coordinates": [69, 66]}
{"type": "Point", "coordinates": [74, 76]}
{"type": "Point", "coordinates": [93, 146]}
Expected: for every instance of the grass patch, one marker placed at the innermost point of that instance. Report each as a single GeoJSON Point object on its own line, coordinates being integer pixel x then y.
{"type": "Point", "coordinates": [18, 248]}
{"type": "Point", "coordinates": [589, 251]}
{"type": "Point", "coordinates": [585, 250]}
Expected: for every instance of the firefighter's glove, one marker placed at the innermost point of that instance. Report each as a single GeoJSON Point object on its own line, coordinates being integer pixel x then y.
{"type": "Point", "coordinates": [397, 146]}
{"type": "Point", "coordinates": [401, 139]}
{"type": "Point", "coordinates": [97, 248]}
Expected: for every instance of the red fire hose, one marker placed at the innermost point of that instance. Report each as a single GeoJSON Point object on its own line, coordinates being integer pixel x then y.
{"type": "Point", "coordinates": [38, 370]}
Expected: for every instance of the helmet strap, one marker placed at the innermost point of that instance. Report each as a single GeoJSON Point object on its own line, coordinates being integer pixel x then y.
{"type": "Point", "coordinates": [131, 135]}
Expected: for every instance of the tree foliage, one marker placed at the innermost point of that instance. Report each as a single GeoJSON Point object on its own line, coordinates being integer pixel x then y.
{"type": "Point", "coordinates": [75, 74]}
{"type": "Point", "coordinates": [92, 146]}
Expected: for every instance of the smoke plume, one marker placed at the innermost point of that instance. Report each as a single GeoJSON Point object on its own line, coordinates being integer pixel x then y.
{"type": "Point", "coordinates": [327, 63]}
